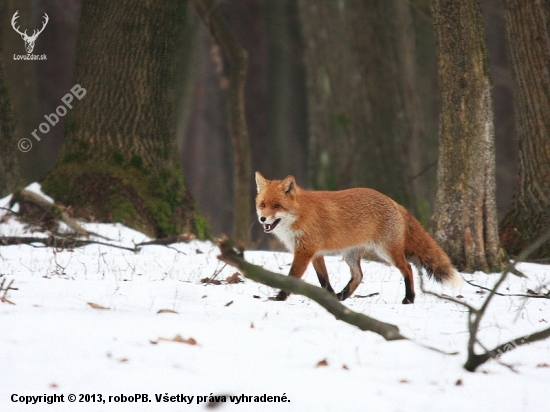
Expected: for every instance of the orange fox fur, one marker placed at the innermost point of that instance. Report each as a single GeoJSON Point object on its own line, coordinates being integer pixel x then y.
{"type": "Point", "coordinates": [352, 222]}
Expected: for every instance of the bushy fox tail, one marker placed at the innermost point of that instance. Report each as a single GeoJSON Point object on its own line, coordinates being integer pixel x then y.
{"type": "Point", "coordinates": [420, 247]}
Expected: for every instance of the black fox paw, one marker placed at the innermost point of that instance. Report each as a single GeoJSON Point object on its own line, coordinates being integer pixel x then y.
{"type": "Point", "coordinates": [282, 295]}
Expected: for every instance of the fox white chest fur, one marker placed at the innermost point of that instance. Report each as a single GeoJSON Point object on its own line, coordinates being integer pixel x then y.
{"type": "Point", "coordinates": [286, 234]}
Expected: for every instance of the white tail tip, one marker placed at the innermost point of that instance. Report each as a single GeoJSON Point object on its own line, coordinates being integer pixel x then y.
{"type": "Point", "coordinates": [456, 281]}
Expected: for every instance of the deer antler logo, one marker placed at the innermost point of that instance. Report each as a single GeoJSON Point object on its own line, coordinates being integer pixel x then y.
{"type": "Point", "coordinates": [29, 40]}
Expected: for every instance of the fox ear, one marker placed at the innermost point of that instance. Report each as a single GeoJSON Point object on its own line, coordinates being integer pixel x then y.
{"type": "Point", "coordinates": [261, 182]}
{"type": "Point", "coordinates": [289, 185]}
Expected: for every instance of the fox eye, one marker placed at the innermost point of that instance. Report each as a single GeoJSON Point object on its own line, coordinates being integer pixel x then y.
{"type": "Point", "coordinates": [276, 206]}
{"type": "Point", "coordinates": [262, 205]}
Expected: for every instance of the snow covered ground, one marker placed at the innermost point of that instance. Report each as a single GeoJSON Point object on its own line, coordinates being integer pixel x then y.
{"type": "Point", "coordinates": [107, 324]}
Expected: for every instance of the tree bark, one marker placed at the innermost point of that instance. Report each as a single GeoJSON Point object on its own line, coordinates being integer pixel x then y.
{"type": "Point", "coordinates": [366, 123]}
{"type": "Point", "coordinates": [465, 219]}
{"type": "Point", "coordinates": [118, 160]}
{"type": "Point", "coordinates": [207, 154]}
{"type": "Point", "coordinates": [528, 35]}
{"type": "Point", "coordinates": [10, 167]}
{"type": "Point", "coordinates": [286, 141]}
{"type": "Point", "coordinates": [23, 85]}
{"type": "Point", "coordinates": [242, 170]}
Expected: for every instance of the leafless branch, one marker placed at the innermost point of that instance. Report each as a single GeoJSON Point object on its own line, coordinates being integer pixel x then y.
{"type": "Point", "coordinates": [475, 315]}
{"type": "Point", "coordinates": [183, 238]}
{"type": "Point", "coordinates": [57, 242]}
{"type": "Point", "coordinates": [72, 242]}
{"type": "Point", "coordinates": [24, 196]}
{"type": "Point", "coordinates": [5, 289]}
{"type": "Point", "coordinates": [521, 295]}
{"type": "Point", "coordinates": [234, 257]}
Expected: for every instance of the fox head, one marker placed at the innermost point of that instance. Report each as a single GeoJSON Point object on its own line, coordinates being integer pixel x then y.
{"type": "Point", "coordinates": [275, 202]}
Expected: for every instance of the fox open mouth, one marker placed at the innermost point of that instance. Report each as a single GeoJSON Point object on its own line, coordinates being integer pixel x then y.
{"type": "Point", "coordinates": [268, 227]}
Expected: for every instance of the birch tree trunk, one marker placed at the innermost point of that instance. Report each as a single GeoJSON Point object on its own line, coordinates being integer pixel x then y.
{"type": "Point", "coordinates": [528, 35]}
{"type": "Point", "coordinates": [465, 218]}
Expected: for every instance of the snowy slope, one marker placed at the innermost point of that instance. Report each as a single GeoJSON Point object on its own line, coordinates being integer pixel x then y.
{"type": "Point", "coordinates": [57, 340]}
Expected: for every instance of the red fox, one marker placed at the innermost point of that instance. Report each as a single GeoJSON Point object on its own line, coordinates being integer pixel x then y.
{"type": "Point", "coordinates": [352, 222]}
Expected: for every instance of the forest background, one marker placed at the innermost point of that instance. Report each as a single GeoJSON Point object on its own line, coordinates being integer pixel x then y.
{"type": "Point", "coordinates": [368, 115]}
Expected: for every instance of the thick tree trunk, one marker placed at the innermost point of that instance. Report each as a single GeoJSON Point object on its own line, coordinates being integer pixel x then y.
{"type": "Point", "coordinates": [286, 141]}
{"type": "Point", "coordinates": [465, 220]}
{"type": "Point", "coordinates": [118, 161]}
{"type": "Point", "coordinates": [23, 84]}
{"type": "Point", "coordinates": [364, 111]}
{"type": "Point", "coordinates": [528, 33]}
{"type": "Point", "coordinates": [10, 168]}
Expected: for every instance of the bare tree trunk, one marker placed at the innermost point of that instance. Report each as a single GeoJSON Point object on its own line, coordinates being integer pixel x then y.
{"type": "Point", "coordinates": [10, 168]}
{"type": "Point", "coordinates": [118, 161]}
{"type": "Point", "coordinates": [286, 140]}
{"type": "Point", "coordinates": [242, 170]}
{"type": "Point", "coordinates": [23, 85]}
{"type": "Point", "coordinates": [207, 155]}
{"type": "Point", "coordinates": [528, 34]}
{"type": "Point", "coordinates": [465, 220]}
{"type": "Point", "coordinates": [366, 122]}
{"type": "Point", "coordinates": [54, 75]}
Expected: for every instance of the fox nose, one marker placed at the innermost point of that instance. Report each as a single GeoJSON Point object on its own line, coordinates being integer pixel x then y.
{"type": "Point", "coordinates": [262, 219]}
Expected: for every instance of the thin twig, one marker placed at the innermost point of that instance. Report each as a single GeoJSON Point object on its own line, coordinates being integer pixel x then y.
{"type": "Point", "coordinates": [445, 297]}
{"type": "Point", "coordinates": [523, 295]}
{"type": "Point", "coordinates": [416, 176]}
{"type": "Point", "coordinates": [9, 210]}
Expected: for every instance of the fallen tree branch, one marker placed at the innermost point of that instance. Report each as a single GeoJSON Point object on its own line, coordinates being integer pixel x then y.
{"type": "Point", "coordinates": [233, 257]}
{"type": "Point", "coordinates": [35, 209]}
{"type": "Point", "coordinates": [183, 238]}
{"type": "Point", "coordinates": [9, 210]}
{"type": "Point", "coordinates": [24, 197]}
{"type": "Point", "coordinates": [57, 242]}
{"type": "Point", "coordinates": [72, 242]}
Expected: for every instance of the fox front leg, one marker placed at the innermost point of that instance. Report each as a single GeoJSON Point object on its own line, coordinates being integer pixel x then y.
{"type": "Point", "coordinates": [299, 266]}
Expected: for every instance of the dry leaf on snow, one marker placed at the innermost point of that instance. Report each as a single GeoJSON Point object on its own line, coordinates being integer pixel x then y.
{"type": "Point", "coordinates": [180, 339]}
{"type": "Point", "coordinates": [96, 306]}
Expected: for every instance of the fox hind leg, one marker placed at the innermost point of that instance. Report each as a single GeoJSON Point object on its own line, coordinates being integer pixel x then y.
{"type": "Point", "coordinates": [353, 258]}
{"type": "Point", "coordinates": [400, 262]}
